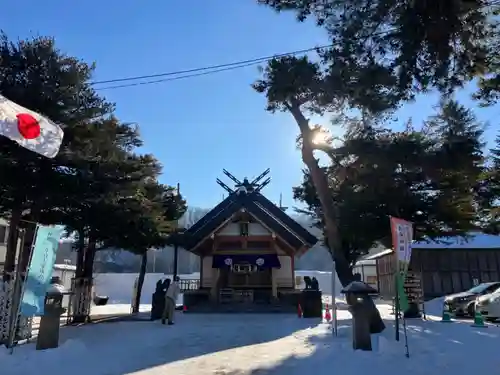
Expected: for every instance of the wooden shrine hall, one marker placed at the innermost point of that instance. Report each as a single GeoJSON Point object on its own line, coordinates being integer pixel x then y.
{"type": "Point", "coordinates": [247, 246]}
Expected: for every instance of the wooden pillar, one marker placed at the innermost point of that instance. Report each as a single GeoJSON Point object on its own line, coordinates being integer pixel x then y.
{"type": "Point", "coordinates": [214, 290]}
{"type": "Point", "coordinates": [274, 285]}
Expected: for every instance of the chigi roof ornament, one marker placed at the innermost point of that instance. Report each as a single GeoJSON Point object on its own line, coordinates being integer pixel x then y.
{"type": "Point", "coordinates": [241, 190]}
{"type": "Point", "coordinates": [245, 187]}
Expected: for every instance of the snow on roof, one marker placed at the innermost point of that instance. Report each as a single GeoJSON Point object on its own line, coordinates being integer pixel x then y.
{"type": "Point", "coordinates": [474, 240]}
{"type": "Point", "coordinates": [365, 262]}
{"type": "Point", "coordinates": [193, 214]}
{"type": "Point", "coordinates": [378, 255]}
{"type": "Point", "coordinates": [65, 267]}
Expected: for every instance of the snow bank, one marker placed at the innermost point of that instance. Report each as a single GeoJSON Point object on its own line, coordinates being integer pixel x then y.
{"type": "Point", "coordinates": [324, 279]}
{"type": "Point", "coordinates": [434, 307]}
{"type": "Point", "coordinates": [119, 286]}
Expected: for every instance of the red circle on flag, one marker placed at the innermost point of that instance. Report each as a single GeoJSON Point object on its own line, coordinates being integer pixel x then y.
{"type": "Point", "coordinates": [28, 126]}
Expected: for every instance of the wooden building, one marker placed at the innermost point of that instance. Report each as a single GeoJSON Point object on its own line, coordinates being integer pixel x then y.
{"type": "Point", "coordinates": [247, 247]}
{"type": "Point", "coordinates": [444, 266]}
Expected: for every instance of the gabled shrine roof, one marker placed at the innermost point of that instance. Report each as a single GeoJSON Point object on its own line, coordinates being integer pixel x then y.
{"type": "Point", "coordinates": [246, 195]}
{"type": "Point", "coordinates": [258, 206]}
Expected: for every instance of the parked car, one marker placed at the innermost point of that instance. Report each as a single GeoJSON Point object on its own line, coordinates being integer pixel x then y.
{"type": "Point", "coordinates": [463, 304]}
{"type": "Point", "coordinates": [489, 305]}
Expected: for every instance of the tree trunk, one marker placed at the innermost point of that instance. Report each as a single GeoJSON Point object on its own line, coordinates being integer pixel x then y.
{"type": "Point", "coordinates": [320, 181]}
{"type": "Point", "coordinates": [88, 269]}
{"type": "Point", "coordinates": [84, 284]}
{"type": "Point", "coordinates": [12, 239]}
{"type": "Point", "coordinates": [140, 283]}
{"type": "Point", "coordinates": [80, 254]}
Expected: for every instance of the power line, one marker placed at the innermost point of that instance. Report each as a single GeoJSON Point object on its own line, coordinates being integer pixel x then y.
{"type": "Point", "coordinates": [207, 70]}
{"type": "Point", "coordinates": [227, 65]}
{"type": "Point", "coordinates": [196, 72]}
{"type": "Point", "coordinates": [176, 78]}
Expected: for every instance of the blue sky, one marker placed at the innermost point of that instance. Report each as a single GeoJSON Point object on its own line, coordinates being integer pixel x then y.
{"type": "Point", "coordinates": [196, 126]}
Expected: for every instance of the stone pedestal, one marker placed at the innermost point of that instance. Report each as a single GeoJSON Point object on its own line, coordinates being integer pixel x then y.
{"type": "Point", "coordinates": [48, 333]}
{"type": "Point", "coordinates": [361, 338]}
{"type": "Point", "coordinates": [50, 323]}
{"type": "Point", "coordinates": [364, 312]}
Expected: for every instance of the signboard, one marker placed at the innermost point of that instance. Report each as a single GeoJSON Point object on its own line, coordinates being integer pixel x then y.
{"type": "Point", "coordinates": [40, 269]}
{"type": "Point", "coordinates": [402, 236]}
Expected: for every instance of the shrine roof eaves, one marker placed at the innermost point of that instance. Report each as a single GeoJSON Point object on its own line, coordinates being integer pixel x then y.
{"type": "Point", "coordinates": [258, 206]}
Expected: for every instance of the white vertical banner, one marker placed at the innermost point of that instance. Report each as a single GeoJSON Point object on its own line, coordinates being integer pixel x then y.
{"type": "Point", "coordinates": [402, 237]}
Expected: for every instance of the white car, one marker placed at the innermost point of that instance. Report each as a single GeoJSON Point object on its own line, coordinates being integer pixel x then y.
{"type": "Point", "coordinates": [489, 305]}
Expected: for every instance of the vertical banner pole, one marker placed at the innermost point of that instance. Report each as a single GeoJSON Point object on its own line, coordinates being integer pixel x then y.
{"type": "Point", "coordinates": [406, 339]}
{"type": "Point", "coordinates": [402, 236]}
{"type": "Point", "coordinates": [334, 301]}
{"type": "Point", "coordinates": [396, 304]}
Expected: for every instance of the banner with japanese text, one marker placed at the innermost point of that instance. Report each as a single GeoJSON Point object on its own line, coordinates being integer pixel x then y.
{"type": "Point", "coordinates": [40, 269]}
{"type": "Point", "coordinates": [402, 237]}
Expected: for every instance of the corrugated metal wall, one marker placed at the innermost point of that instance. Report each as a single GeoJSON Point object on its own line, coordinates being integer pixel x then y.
{"type": "Point", "coordinates": [443, 271]}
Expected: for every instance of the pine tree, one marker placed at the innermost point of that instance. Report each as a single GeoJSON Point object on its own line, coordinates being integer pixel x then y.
{"type": "Point", "coordinates": [297, 86]}
{"type": "Point", "coordinates": [423, 44]}
{"type": "Point", "coordinates": [490, 191]}
{"type": "Point", "coordinates": [379, 173]}
{"type": "Point", "coordinates": [459, 160]}
{"type": "Point", "coordinates": [36, 75]}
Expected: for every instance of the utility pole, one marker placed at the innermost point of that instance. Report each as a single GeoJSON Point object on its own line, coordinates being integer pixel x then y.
{"type": "Point", "coordinates": [176, 238]}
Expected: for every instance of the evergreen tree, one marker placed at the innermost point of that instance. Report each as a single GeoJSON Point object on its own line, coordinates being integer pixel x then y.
{"type": "Point", "coordinates": [459, 162]}
{"type": "Point", "coordinates": [97, 186]}
{"type": "Point", "coordinates": [424, 44]}
{"type": "Point", "coordinates": [297, 86]}
{"type": "Point", "coordinates": [147, 222]}
{"type": "Point", "coordinates": [36, 75]}
{"type": "Point", "coordinates": [378, 172]}
{"type": "Point", "coordinates": [490, 192]}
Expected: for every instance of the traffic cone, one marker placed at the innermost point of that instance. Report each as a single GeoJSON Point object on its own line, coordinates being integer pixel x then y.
{"type": "Point", "coordinates": [478, 320]}
{"type": "Point", "coordinates": [184, 308]}
{"type": "Point", "coordinates": [328, 316]}
{"type": "Point", "coordinates": [446, 316]}
{"type": "Point", "coordinates": [299, 311]}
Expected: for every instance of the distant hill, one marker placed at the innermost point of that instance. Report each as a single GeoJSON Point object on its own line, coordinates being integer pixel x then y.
{"type": "Point", "coordinates": [117, 260]}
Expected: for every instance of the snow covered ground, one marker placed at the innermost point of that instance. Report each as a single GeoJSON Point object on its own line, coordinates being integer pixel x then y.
{"type": "Point", "coordinates": [235, 344]}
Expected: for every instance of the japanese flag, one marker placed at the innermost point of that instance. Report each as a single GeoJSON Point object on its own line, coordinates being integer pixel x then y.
{"type": "Point", "coordinates": [29, 129]}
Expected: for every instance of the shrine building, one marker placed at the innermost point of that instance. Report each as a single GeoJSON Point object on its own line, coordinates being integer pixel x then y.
{"type": "Point", "coordinates": [247, 246]}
